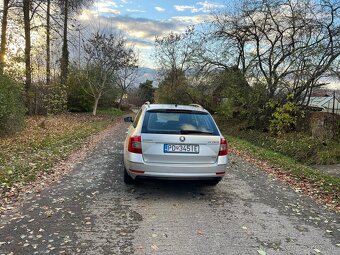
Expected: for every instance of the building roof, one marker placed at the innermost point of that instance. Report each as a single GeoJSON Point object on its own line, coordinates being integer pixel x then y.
{"type": "Point", "coordinates": [324, 103]}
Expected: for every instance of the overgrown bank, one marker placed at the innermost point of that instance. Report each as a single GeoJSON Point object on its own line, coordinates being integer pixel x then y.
{"type": "Point", "coordinates": [44, 142]}
{"type": "Point", "coordinates": [298, 145]}
{"type": "Point", "coordinates": [303, 177]}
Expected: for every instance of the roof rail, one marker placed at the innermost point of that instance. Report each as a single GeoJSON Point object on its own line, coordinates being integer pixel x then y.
{"type": "Point", "coordinates": [196, 105]}
{"type": "Point", "coordinates": [147, 103]}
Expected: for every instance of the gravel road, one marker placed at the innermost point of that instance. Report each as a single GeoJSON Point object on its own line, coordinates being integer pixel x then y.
{"type": "Point", "coordinates": [91, 211]}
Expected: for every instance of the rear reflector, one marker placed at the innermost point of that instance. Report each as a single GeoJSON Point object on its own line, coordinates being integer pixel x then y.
{"type": "Point", "coordinates": [136, 171]}
{"type": "Point", "coordinates": [223, 147]}
{"type": "Point", "coordinates": [219, 173]}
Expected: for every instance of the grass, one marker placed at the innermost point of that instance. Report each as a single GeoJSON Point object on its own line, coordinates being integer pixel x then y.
{"type": "Point", "coordinates": [44, 142]}
{"type": "Point", "coordinates": [297, 145]}
{"type": "Point", "coordinates": [113, 112]}
{"type": "Point", "coordinates": [323, 181]}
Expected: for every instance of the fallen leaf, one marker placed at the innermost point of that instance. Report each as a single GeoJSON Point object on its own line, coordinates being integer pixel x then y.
{"type": "Point", "coordinates": [261, 252]}
{"type": "Point", "coordinates": [199, 232]}
{"type": "Point", "coordinates": [316, 250]}
{"type": "Point", "coordinates": [154, 247]}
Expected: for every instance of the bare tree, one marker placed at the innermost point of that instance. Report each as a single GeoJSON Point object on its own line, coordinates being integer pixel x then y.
{"type": "Point", "coordinates": [173, 54]}
{"type": "Point", "coordinates": [288, 45]}
{"type": "Point", "coordinates": [126, 78]}
{"type": "Point", "coordinates": [104, 56]}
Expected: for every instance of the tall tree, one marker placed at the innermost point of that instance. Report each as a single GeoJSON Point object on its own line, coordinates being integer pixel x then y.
{"type": "Point", "coordinates": [173, 55]}
{"type": "Point", "coordinates": [126, 77]}
{"type": "Point", "coordinates": [64, 53]}
{"type": "Point", "coordinates": [104, 56]}
{"type": "Point", "coordinates": [68, 7]}
{"type": "Point", "coordinates": [3, 35]}
{"type": "Point", "coordinates": [27, 28]}
{"type": "Point", "coordinates": [48, 42]}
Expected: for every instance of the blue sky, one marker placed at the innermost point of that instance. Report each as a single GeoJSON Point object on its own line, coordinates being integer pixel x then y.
{"type": "Point", "coordinates": [142, 20]}
{"type": "Point", "coordinates": [158, 10]}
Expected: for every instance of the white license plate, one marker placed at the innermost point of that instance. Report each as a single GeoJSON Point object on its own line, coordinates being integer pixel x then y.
{"type": "Point", "coordinates": [181, 148]}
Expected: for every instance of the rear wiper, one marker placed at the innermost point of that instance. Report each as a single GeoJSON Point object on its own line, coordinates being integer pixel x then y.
{"type": "Point", "coordinates": [195, 132]}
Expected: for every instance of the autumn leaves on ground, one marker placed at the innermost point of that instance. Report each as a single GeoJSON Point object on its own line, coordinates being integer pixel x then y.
{"type": "Point", "coordinates": [45, 141]}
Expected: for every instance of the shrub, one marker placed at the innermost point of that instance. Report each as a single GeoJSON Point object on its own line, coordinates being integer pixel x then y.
{"type": "Point", "coordinates": [77, 99]}
{"type": "Point", "coordinates": [12, 109]}
{"type": "Point", "coordinates": [285, 117]}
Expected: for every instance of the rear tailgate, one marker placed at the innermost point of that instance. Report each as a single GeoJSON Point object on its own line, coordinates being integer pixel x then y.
{"type": "Point", "coordinates": [206, 148]}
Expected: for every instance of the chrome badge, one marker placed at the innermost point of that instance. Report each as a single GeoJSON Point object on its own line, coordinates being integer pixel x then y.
{"type": "Point", "coordinates": [182, 138]}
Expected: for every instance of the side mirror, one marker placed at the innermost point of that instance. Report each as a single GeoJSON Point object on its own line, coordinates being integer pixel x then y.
{"type": "Point", "coordinates": [128, 119]}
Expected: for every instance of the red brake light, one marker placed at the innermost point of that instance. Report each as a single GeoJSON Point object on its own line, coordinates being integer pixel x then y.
{"type": "Point", "coordinates": [223, 147]}
{"type": "Point", "coordinates": [135, 144]}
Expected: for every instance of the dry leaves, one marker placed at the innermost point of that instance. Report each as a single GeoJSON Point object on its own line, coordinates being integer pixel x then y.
{"type": "Point", "coordinates": [55, 125]}
{"type": "Point", "coordinates": [299, 185]}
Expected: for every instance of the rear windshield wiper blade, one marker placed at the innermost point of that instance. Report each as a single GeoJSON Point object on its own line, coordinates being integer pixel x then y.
{"type": "Point", "coordinates": [195, 132]}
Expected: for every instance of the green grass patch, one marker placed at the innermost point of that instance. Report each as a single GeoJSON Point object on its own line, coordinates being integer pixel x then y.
{"type": "Point", "coordinates": [24, 156]}
{"type": "Point", "coordinates": [113, 112]}
{"type": "Point", "coordinates": [325, 182]}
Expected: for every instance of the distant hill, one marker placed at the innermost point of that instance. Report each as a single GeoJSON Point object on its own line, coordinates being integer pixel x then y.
{"type": "Point", "coordinates": [146, 73]}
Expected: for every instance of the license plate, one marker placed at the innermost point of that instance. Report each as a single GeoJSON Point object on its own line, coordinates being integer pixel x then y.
{"type": "Point", "coordinates": [181, 148]}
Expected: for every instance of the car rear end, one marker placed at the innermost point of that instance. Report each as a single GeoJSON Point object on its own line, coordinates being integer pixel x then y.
{"type": "Point", "coordinates": [176, 142]}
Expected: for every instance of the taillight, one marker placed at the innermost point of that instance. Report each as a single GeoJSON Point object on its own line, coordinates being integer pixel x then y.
{"type": "Point", "coordinates": [135, 144]}
{"type": "Point", "coordinates": [223, 147]}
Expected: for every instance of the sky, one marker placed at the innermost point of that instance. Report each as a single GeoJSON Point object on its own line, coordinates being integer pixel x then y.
{"type": "Point", "coordinates": [143, 20]}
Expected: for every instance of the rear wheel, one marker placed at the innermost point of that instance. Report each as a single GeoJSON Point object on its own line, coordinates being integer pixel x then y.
{"type": "Point", "coordinates": [127, 178]}
{"type": "Point", "coordinates": [213, 182]}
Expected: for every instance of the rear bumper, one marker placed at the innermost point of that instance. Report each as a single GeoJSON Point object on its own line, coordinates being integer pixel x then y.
{"type": "Point", "coordinates": [138, 168]}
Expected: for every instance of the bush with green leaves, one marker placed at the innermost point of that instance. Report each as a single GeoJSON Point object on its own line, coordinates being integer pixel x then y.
{"type": "Point", "coordinates": [284, 118]}
{"type": "Point", "coordinates": [77, 99]}
{"type": "Point", "coordinates": [12, 108]}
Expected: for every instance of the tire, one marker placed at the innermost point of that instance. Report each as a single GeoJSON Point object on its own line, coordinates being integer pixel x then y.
{"type": "Point", "coordinates": [213, 182]}
{"type": "Point", "coordinates": [127, 178]}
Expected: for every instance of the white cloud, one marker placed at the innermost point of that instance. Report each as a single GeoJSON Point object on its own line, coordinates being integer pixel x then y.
{"type": "Point", "coordinates": [204, 7]}
{"type": "Point", "coordinates": [135, 10]}
{"type": "Point", "coordinates": [105, 4]}
{"type": "Point", "coordinates": [191, 20]}
{"type": "Point", "coordinates": [159, 9]}
{"type": "Point", "coordinates": [182, 8]}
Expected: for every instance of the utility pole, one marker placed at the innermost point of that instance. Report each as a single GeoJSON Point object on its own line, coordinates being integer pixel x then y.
{"type": "Point", "coordinates": [333, 112]}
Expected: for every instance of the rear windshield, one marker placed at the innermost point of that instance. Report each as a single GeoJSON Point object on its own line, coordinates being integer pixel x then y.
{"type": "Point", "coordinates": [178, 122]}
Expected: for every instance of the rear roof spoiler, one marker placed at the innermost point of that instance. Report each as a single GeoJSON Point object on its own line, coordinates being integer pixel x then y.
{"type": "Point", "coordinates": [196, 105]}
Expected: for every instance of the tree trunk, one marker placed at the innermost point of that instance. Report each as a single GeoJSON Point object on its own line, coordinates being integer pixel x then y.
{"type": "Point", "coordinates": [48, 43]}
{"type": "Point", "coordinates": [65, 53]}
{"type": "Point", "coordinates": [28, 73]}
{"type": "Point", "coordinates": [120, 100]}
{"type": "Point", "coordinates": [94, 113]}
{"type": "Point", "coordinates": [3, 36]}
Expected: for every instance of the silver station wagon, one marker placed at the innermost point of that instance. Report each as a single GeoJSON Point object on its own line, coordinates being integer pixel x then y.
{"type": "Point", "coordinates": [174, 142]}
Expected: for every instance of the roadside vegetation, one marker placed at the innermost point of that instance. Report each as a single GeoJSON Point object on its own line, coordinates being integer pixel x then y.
{"type": "Point", "coordinates": [300, 146]}
{"type": "Point", "coordinates": [43, 142]}
{"type": "Point", "coordinates": [302, 177]}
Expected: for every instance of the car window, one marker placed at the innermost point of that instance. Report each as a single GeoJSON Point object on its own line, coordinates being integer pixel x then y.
{"type": "Point", "coordinates": [178, 122]}
{"type": "Point", "coordinates": [135, 122]}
